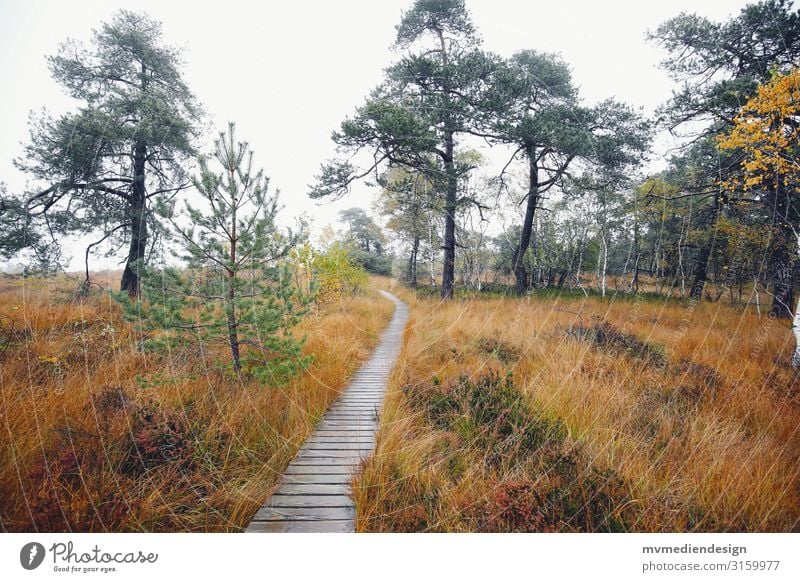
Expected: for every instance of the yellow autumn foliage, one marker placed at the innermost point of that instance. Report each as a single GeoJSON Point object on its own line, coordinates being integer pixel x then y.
{"type": "Point", "coordinates": [766, 130]}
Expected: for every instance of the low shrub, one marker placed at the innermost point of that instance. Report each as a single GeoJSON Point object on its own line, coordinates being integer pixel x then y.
{"type": "Point", "coordinates": [489, 414]}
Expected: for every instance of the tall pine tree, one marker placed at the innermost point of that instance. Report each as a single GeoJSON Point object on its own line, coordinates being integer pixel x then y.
{"type": "Point", "coordinates": [102, 167]}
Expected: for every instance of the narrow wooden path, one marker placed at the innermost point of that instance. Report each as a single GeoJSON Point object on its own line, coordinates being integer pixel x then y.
{"type": "Point", "coordinates": [314, 493]}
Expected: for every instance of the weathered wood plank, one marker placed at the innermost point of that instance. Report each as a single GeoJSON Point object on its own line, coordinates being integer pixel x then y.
{"type": "Point", "coordinates": [318, 460]}
{"type": "Point", "coordinates": [304, 513]}
{"type": "Point", "coordinates": [338, 446]}
{"type": "Point", "coordinates": [343, 453]}
{"type": "Point", "coordinates": [331, 469]}
{"type": "Point", "coordinates": [316, 526]}
{"type": "Point", "coordinates": [343, 479]}
{"type": "Point", "coordinates": [343, 439]}
{"type": "Point", "coordinates": [365, 427]}
{"type": "Point", "coordinates": [310, 501]}
{"type": "Point", "coordinates": [353, 433]}
{"type": "Point", "coordinates": [313, 489]}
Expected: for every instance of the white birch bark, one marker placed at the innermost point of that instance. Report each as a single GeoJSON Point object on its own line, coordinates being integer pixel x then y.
{"type": "Point", "coordinates": [796, 320]}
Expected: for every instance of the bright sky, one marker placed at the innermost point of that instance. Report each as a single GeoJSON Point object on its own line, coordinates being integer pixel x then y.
{"type": "Point", "coordinates": [288, 72]}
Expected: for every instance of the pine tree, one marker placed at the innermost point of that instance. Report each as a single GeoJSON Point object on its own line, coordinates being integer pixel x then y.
{"type": "Point", "coordinates": [102, 168]}
{"type": "Point", "coordinates": [236, 288]}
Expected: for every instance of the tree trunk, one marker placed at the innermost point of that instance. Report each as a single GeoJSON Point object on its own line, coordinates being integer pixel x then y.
{"type": "Point", "coordinates": [451, 194]}
{"type": "Point", "coordinates": [700, 273]}
{"type": "Point", "coordinates": [451, 198]}
{"type": "Point", "coordinates": [137, 214]}
{"type": "Point", "coordinates": [411, 277]}
{"type": "Point", "coordinates": [602, 264]}
{"type": "Point", "coordinates": [230, 309]}
{"type": "Point", "coordinates": [433, 254]}
{"type": "Point", "coordinates": [230, 305]}
{"type": "Point", "coordinates": [635, 280]}
{"type": "Point", "coordinates": [783, 287]}
{"type": "Point", "coordinates": [796, 319]}
{"type": "Point", "coordinates": [783, 260]}
{"type": "Point", "coordinates": [520, 272]}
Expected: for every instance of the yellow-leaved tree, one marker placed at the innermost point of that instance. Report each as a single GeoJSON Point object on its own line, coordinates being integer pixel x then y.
{"type": "Point", "coordinates": [766, 131]}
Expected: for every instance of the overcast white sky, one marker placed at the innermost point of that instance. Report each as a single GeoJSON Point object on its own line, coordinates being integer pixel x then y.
{"type": "Point", "coordinates": [289, 72]}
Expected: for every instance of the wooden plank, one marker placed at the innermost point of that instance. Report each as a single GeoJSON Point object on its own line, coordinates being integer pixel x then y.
{"type": "Point", "coordinates": [321, 461]}
{"type": "Point", "coordinates": [317, 526]}
{"type": "Point", "coordinates": [316, 479]}
{"type": "Point", "coordinates": [304, 513]}
{"type": "Point", "coordinates": [338, 446]}
{"type": "Point", "coordinates": [313, 489]}
{"type": "Point", "coordinates": [360, 416]}
{"type": "Point", "coordinates": [361, 424]}
{"type": "Point", "coordinates": [334, 429]}
{"type": "Point", "coordinates": [349, 458]}
{"type": "Point", "coordinates": [321, 453]}
{"type": "Point", "coordinates": [331, 469]}
{"type": "Point", "coordinates": [332, 433]}
{"type": "Point", "coordinates": [343, 439]}
{"type": "Point", "coordinates": [364, 429]}
{"type": "Point", "coordinates": [310, 501]}
{"type": "Point", "coordinates": [339, 424]}
{"type": "Point", "coordinates": [368, 445]}
{"type": "Point", "coordinates": [361, 400]}
{"type": "Point", "coordinates": [355, 422]}
{"type": "Point", "coordinates": [324, 466]}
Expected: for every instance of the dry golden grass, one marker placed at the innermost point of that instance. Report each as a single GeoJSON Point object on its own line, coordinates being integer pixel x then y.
{"type": "Point", "coordinates": [98, 436]}
{"type": "Point", "coordinates": [691, 423]}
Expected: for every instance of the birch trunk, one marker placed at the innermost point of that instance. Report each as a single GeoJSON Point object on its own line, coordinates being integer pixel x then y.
{"type": "Point", "coordinates": [796, 321]}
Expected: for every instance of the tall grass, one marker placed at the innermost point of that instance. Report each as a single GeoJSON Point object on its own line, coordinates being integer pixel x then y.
{"type": "Point", "coordinates": [673, 417]}
{"type": "Point", "coordinates": [100, 436]}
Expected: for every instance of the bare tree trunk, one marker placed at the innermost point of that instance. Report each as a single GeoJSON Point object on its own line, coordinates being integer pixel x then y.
{"type": "Point", "coordinates": [581, 250]}
{"type": "Point", "coordinates": [700, 273]}
{"type": "Point", "coordinates": [433, 253]}
{"type": "Point", "coordinates": [230, 305]}
{"type": "Point", "coordinates": [783, 287]}
{"type": "Point", "coordinates": [137, 214]}
{"type": "Point", "coordinates": [604, 269]}
{"type": "Point", "coordinates": [451, 195]}
{"type": "Point", "coordinates": [230, 310]}
{"type": "Point", "coordinates": [680, 264]}
{"type": "Point", "coordinates": [411, 278]}
{"type": "Point", "coordinates": [449, 246]}
{"type": "Point", "coordinates": [796, 319]}
{"type": "Point", "coordinates": [520, 271]}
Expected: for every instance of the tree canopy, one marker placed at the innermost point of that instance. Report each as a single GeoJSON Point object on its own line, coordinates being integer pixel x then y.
{"type": "Point", "coordinates": [101, 167]}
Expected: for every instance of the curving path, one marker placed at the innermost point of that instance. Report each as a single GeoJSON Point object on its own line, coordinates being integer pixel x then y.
{"type": "Point", "coordinates": [313, 494]}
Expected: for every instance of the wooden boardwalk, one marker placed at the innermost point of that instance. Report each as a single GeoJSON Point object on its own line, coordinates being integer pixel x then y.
{"type": "Point", "coordinates": [313, 494]}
